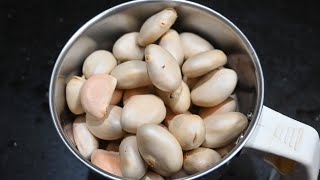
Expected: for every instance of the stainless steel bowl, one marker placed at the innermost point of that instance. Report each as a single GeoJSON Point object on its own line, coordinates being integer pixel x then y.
{"type": "Point", "coordinates": [102, 31]}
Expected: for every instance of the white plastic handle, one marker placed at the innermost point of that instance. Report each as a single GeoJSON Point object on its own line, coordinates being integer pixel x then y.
{"type": "Point", "coordinates": [292, 147]}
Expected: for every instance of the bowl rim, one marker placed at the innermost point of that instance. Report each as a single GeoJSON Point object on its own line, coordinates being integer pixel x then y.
{"type": "Point", "coordinates": [258, 72]}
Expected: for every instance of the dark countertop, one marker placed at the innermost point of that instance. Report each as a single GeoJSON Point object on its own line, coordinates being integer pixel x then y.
{"type": "Point", "coordinates": [285, 35]}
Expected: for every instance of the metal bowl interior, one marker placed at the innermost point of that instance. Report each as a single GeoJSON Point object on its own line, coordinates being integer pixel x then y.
{"type": "Point", "coordinates": [102, 31]}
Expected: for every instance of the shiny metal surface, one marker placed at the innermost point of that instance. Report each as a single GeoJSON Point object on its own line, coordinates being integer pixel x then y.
{"type": "Point", "coordinates": [102, 31]}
